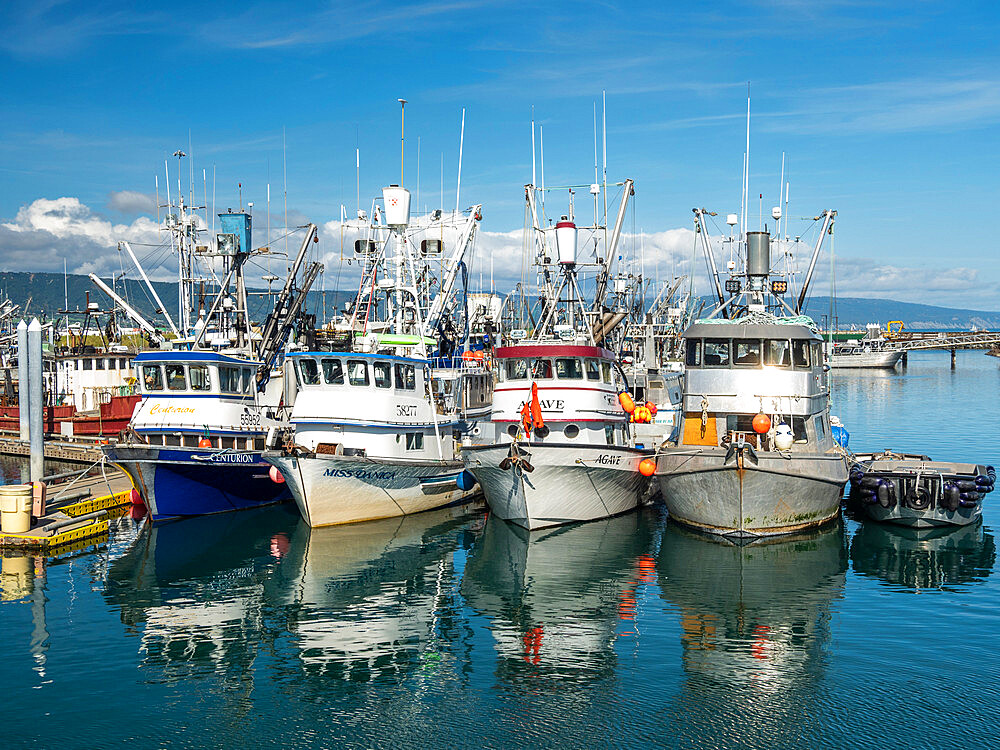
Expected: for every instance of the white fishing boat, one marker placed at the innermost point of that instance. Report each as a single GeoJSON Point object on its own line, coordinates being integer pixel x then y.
{"type": "Point", "coordinates": [872, 351]}
{"type": "Point", "coordinates": [559, 447]}
{"type": "Point", "coordinates": [377, 422]}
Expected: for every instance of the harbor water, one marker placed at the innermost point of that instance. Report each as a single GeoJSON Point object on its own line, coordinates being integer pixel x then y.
{"type": "Point", "coordinates": [451, 629]}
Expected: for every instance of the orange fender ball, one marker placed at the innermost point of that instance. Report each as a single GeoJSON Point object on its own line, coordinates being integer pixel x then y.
{"type": "Point", "coordinates": [761, 424]}
{"type": "Point", "coordinates": [647, 467]}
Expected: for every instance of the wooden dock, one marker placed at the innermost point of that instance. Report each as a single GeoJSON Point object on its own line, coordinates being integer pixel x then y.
{"type": "Point", "coordinates": [76, 451]}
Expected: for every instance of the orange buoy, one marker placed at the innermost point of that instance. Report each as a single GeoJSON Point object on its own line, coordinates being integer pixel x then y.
{"type": "Point", "coordinates": [205, 443]}
{"type": "Point", "coordinates": [625, 399]}
{"type": "Point", "coordinates": [761, 423]}
{"type": "Point", "coordinates": [652, 407]}
{"type": "Point", "coordinates": [647, 467]}
{"type": "Point", "coordinates": [275, 475]}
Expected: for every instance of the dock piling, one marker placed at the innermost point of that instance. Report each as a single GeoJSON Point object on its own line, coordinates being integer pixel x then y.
{"type": "Point", "coordinates": [953, 359]}
{"type": "Point", "coordinates": [35, 409]}
{"type": "Point", "coordinates": [22, 379]}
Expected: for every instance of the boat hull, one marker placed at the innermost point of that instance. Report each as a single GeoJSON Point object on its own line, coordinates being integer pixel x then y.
{"type": "Point", "coordinates": [923, 519]}
{"type": "Point", "coordinates": [569, 483]}
{"type": "Point", "coordinates": [333, 489]}
{"type": "Point", "coordinates": [885, 360]}
{"type": "Point", "coordinates": [776, 495]}
{"type": "Point", "coordinates": [179, 482]}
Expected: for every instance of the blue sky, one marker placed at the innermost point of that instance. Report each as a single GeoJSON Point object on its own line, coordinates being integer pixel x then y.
{"type": "Point", "coordinates": [888, 112]}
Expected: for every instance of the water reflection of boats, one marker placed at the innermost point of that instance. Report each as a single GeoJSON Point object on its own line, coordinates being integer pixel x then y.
{"type": "Point", "coordinates": [193, 588]}
{"type": "Point", "coordinates": [367, 599]}
{"type": "Point", "coordinates": [923, 558]}
{"type": "Point", "coordinates": [558, 599]}
{"type": "Point", "coordinates": [754, 626]}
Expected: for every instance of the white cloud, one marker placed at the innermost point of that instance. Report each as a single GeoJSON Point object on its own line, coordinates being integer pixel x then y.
{"type": "Point", "coordinates": [47, 231]}
{"type": "Point", "coordinates": [131, 202]}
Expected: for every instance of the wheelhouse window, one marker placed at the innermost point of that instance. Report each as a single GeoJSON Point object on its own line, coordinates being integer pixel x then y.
{"type": "Point", "coordinates": [606, 371]}
{"type": "Point", "coordinates": [541, 369]}
{"type": "Point", "coordinates": [716, 352]}
{"type": "Point", "coordinates": [593, 369]}
{"type": "Point", "coordinates": [229, 380]}
{"type": "Point", "coordinates": [175, 378]}
{"type": "Point", "coordinates": [777, 353]}
{"type": "Point", "coordinates": [357, 372]}
{"type": "Point", "coordinates": [152, 377]}
{"type": "Point", "coordinates": [406, 377]}
{"type": "Point", "coordinates": [414, 441]}
{"type": "Point", "coordinates": [746, 352]}
{"type": "Point", "coordinates": [799, 429]}
{"type": "Point", "coordinates": [309, 370]}
{"type": "Point", "coordinates": [800, 353]}
{"type": "Point", "coordinates": [383, 374]}
{"type": "Point", "coordinates": [693, 358]}
{"type": "Point", "coordinates": [517, 369]}
{"type": "Point", "coordinates": [98, 364]}
{"type": "Point", "coordinates": [248, 380]}
{"type": "Point", "coordinates": [333, 371]}
{"type": "Point", "coordinates": [198, 375]}
{"type": "Point", "coordinates": [88, 364]}
{"type": "Point", "coordinates": [569, 368]}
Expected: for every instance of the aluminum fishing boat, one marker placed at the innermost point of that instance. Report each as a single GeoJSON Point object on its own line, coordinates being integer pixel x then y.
{"type": "Point", "coordinates": [755, 455]}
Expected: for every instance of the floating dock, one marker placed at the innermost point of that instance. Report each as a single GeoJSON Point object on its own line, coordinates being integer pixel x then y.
{"type": "Point", "coordinates": [77, 514]}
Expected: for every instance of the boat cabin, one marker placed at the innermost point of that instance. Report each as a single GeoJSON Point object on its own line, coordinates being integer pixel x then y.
{"type": "Point", "coordinates": [578, 389]}
{"type": "Point", "coordinates": [736, 370]}
{"type": "Point", "coordinates": [203, 400]}
{"type": "Point", "coordinates": [355, 403]}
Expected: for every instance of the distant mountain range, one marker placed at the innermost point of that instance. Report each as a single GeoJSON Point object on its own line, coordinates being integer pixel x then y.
{"type": "Point", "coordinates": [43, 294]}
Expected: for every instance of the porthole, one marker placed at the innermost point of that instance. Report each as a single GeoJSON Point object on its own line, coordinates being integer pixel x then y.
{"type": "Point", "coordinates": [512, 430]}
{"type": "Point", "coordinates": [542, 432]}
{"type": "Point", "coordinates": [571, 431]}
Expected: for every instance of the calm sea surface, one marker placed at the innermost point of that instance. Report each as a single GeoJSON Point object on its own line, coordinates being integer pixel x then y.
{"type": "Point", "coordinates": [450, 630]}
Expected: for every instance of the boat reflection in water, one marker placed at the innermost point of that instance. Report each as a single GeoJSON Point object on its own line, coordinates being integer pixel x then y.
{"type": "Point", "coordinates": [755, 624]}
{"type": "Point", "coordinates": [923, 558]}
{"type": "Point", "coordinates": [559, 599]}
{"type": "Point", "coordinates": [193, 589]}
{"type": "Point", "coordinates": [374, 598]}
{"type": "Point", "coordinates": [209, 594]}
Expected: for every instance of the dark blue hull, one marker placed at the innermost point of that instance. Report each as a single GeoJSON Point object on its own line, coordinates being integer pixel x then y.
{"type": "Point", "coordinates": [183, 482]}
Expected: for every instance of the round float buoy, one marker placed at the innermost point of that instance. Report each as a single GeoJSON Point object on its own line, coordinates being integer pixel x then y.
{"type": "Point", "coordinates": [652, 407]}
{"type": "Point", "coordinates": [275, 475]}
{"type": "Point", "coordinates": [647, 467]}
{"type": "Point", "coordinates": [135, 498]}
{"type": "Point", "coordinates": [465, 481]}
{"type": "Point", "coordinates": [761, 423]}
{"type": "Point", "coordinates": [625, 399]}
{"type": "Point", "coordinates": [205, 443]}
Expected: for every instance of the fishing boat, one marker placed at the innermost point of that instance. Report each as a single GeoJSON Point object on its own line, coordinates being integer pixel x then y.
{"type": "Point", "coordinates": [755, 455]}
{"type": "Point", "coordinates": [912, 490]}
{"type": "Point", "coordinates": [193, 445]}
{"type": "Point", "coordinates": [378, 419]}
{"type": "Point", "coordinates": [558, 447]}
{"type": "Point", "coordinates": [872, 351]}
